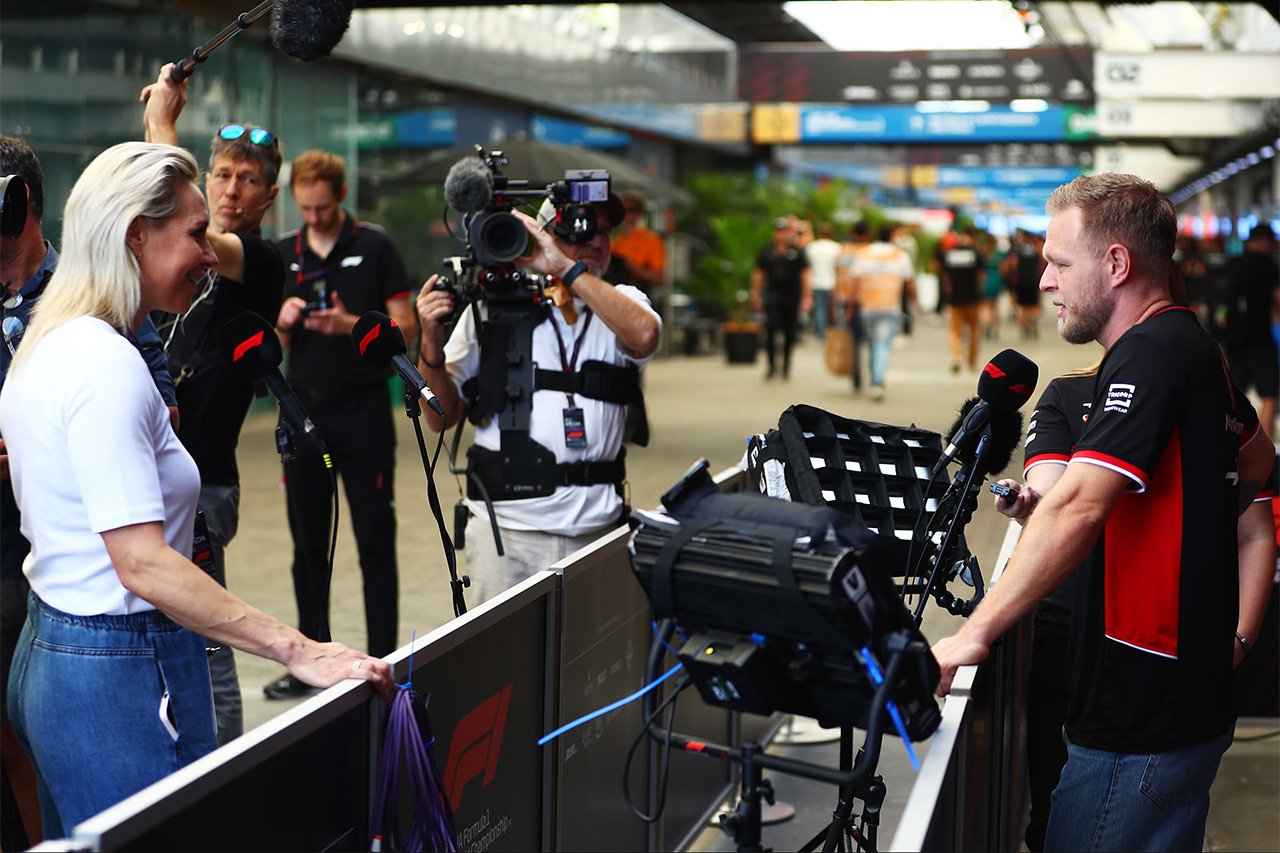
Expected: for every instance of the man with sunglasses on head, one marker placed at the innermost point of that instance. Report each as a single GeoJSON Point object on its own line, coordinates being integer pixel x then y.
{"type": "Point", "coordinates": [240, 187]}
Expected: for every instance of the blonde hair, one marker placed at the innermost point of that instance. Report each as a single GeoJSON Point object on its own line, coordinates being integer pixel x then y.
{"type": "Point", "coordinates": [97, 275]}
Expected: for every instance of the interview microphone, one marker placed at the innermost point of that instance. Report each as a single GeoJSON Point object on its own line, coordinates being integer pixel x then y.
{"type": "Point", "coordinates": [468, 188]}
{"type": "Point", "coordinates": [376, 336]}
{"type": "Point", "coordinates": [1007, 382]}
{"type": "Point", "coordinates": [250, 346]}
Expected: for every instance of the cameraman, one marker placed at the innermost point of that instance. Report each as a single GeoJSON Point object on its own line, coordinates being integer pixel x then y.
{"type": "Point", "coordinates": [613, 324]}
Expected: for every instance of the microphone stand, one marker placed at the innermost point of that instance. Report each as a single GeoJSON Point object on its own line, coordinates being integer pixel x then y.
{"type": "Point", "coordinates": [413, 408]}
{"type": "Point", "coordinates": [288, 450]}
{"type": "Point", "coordinates": [965, 488]}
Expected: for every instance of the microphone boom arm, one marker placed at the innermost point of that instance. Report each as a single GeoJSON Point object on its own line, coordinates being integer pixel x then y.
{"type": "Point", "coordinates": [183, 68]}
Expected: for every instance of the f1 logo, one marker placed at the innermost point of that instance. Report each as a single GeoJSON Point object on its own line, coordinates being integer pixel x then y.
{"type": "Point", "coordinates": [475, 745]}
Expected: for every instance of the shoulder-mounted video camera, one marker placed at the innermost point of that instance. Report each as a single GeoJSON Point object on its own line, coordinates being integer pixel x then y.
{"type": "Point", "coordinates": [477, 188]}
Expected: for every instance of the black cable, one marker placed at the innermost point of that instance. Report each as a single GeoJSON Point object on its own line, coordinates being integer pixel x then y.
{"type": "Point", "coordinates": [666, 756]}
{"type": "Point", "coordinates": [433, 500]}
{"type": "Point", "coordinates": [1253, 738]}
{"type": "Point", "coordinates": [915, 531]}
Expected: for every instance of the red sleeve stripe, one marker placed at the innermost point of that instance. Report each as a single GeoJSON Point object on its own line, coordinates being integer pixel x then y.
{"type": "Point", "coordinates": [1042, 458]}
{"type": "Point", "coordinates": [1245, 439]}
{"type": "Point", "coordinates": [1118, 465]}
{"type": "Point", "coordinates": [404, 294]}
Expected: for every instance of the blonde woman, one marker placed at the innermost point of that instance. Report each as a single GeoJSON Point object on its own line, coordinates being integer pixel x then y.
{"type": "Point", "coordinates": [109, 689]}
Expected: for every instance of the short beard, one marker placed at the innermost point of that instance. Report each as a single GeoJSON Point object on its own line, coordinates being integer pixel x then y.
{"type": "Point", "coordinates": [1085, 323]}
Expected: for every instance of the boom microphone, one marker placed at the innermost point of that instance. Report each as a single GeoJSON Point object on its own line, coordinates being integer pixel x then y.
{"type": "Point", "coordinates": [250, 346]}
{"type": "Point", "coordinates": [1007, 383]}
{"type": "Point", "coordinates": [303, 29]}
{"type": "Point", "coordinates": [309, 29]}
{"type": "Point", "coordinates": [468, 188]}
{"type": "Point", "coordinates": [376, 336]}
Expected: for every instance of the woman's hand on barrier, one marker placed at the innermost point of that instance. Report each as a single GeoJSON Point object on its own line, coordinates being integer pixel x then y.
{"type": "Point", "coordinates": [325, 664]}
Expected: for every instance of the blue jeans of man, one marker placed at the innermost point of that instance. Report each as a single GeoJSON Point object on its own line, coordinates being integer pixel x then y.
{"type": "Point", "coordinates": [821, 312]}
{"type": "Point", "coordinates": [105, 706]}
{"type": "Point", "coordinates": [882, 327]}
{"type": "Point", "coordinates": [1134, 801]}
{"type": "Point", "coordinates": [221, 507]}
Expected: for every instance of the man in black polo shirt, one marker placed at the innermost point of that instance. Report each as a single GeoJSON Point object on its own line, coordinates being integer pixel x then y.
{"type": "Point", "coordinates": [336, 270]}
{"type": "Point", "coordinates": [780, 288]}
{"type": "Point", "coordinates": [1162, 471]}
{"type": "Point", "coordinates": [241, 186]}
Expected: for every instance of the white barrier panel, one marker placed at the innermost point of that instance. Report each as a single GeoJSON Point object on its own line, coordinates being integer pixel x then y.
{"type": "Point", "coordinates": [1186, 74]}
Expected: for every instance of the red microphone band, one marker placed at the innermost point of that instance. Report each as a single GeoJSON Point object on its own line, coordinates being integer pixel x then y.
{"type": "Point", "coordinates": [370, 337]}
{"type": "Point", "coordinates": [249, 343]}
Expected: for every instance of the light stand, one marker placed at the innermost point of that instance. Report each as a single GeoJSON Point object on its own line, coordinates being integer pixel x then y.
{"type": "Point", "coordinates": [856, 780]}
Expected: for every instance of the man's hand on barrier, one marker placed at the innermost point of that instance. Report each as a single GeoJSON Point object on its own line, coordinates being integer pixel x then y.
{"type": "Point", "coordinates": [954, 652]}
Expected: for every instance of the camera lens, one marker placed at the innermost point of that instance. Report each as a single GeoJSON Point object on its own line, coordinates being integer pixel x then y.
{"type": "Point", "coordinates": [497, 237]}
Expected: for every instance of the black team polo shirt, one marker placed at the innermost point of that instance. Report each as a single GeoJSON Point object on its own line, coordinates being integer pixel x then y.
{"type": "Point", "coordinates": [1155, 630]}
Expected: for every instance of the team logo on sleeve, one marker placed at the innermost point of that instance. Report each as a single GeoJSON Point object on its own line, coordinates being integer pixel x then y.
{"type": "Point", "coordinates": [1119, 396]}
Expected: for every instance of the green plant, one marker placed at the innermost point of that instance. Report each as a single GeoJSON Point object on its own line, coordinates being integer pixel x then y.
{"type": "Point", "coordinates": [734, 213]}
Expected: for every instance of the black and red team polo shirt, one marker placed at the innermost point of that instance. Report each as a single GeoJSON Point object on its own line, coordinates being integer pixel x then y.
{"type": "Point", "coordinates": [1153, 644]}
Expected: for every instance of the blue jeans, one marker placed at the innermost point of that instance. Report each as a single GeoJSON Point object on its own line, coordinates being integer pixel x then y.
{"type": "Point", "coordinates": [821, 312]}
{"type": "Point", "coordinates": [1134, 801]}
{"type": "Point", "coordinates": [882, 328]}
{"type": "Point", "coordinates": [105, 706]}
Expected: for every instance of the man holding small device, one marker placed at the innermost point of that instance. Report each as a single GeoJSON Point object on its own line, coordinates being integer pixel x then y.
{"type": "Point", "coordinates": [337, 269]}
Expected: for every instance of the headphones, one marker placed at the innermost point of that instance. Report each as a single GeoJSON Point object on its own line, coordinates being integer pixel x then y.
{"type": "Point", "coordinates": [13, 206]}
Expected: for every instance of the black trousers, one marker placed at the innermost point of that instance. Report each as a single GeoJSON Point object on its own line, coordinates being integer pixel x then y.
{"type": "Point", "coordinates": [358, 430]}
{"type": "Point", "coordinates": [780, 317]}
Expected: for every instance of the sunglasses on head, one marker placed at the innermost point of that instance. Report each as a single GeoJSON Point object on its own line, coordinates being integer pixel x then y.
{"type": "Point", "coordinates": [257, 135]}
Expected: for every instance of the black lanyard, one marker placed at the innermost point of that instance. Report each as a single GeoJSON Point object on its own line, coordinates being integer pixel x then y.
{"type": "Point", "coordinates": [569, 364]}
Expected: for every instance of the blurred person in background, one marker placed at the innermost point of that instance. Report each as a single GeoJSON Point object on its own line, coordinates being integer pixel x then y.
{"type": "Point", "coordinates": [823, 255]}
{"type": "Point", "coordinates": [961, 274]}
{"type": "Point", "coordinates": [882, 276]}
{"type": "Point", "coordinates": [780, 288]}
{"type": "Point", "coordinates": [638, 253]}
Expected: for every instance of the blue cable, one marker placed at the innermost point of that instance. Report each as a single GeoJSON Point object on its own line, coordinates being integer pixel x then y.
{"type": "Point", "coordinates": [606, 709]}
{"type": "Point", "coordinates": [877, 678]}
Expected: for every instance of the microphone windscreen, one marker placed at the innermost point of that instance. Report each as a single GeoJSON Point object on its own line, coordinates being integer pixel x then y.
{"type": "Point", "coordinates": [376, 336]}
{"type": "Point", "coordinates": [309, 29]}
{"type": "Point", "coordinates": [964, 413]}
{"type": "Point", "coordinates": [1006, 433]}
{"type": "Point", "coordinates": [1008, 381]}
{"type": "Point", "coordinates": [468, 188]}
{"type": "Point", "coordinates": [249, 344]}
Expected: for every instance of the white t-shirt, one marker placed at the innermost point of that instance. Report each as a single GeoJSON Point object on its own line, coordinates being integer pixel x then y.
{"type": "Point", "coordinates": [91, 449]}
{"type": "Point", "coordinates": [571, 510]}
{"type": "Point", "coordinates": [822, 255]}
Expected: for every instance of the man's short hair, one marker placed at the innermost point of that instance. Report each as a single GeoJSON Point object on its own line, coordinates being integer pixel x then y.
{"type": "Point", "coordinates": [1124, 209]}
{"type": "Point", "coordinates": [269, 157]}
{"type": "Point", "coordinates": [316, 165]}
{"type": "Point", "coordinates": [17, 158]}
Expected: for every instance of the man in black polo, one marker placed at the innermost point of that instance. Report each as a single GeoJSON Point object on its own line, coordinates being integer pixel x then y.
{"type": "Point", "coordinates": [1162, 471]}
{"type": "Point", "coordinates": [780, 288]}
{"type": "Point", "coordinates": [241, 187]}
{"type": "Point", "coordinates": [337, 269]}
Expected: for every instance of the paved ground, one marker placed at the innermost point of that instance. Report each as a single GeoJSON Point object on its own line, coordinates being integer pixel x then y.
{"type": "Point", "coordinates": [698, 406]}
